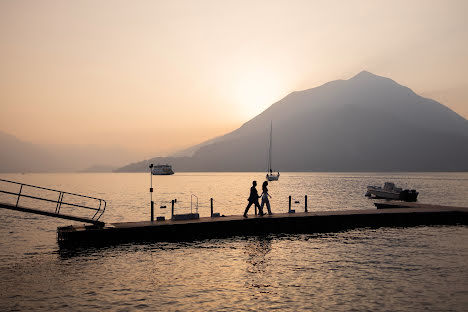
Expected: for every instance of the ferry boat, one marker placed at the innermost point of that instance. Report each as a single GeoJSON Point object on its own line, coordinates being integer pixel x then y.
{"type": "Point", "coordinates": [390, 191]}
{"type": "Point", "coordinates": [162, 170]}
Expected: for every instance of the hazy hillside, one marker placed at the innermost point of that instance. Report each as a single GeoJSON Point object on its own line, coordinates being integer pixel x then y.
{"type": "Point", "coordinates": [19, 156]}
{"type": "Point", "coordinates": [366, 123]}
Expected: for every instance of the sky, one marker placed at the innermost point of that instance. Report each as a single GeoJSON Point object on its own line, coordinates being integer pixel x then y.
{"type": "Point", "coordinates": [155, 77]}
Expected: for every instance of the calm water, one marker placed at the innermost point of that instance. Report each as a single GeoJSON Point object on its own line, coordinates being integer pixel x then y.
{"type": "Point", "coordinates": [394, 269]}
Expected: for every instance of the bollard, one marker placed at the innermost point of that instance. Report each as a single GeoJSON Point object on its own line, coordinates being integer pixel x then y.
{"type": "Point", "coordinates": [172, 209]}
{"type": "Point", "coordinates": [211, 206]}
{"type": "Point", "coordinates": [289, 210]}
{"type": "Point", "coordinates": [151, 192]}
{"type": "Point", "coordinates": [305, 204]}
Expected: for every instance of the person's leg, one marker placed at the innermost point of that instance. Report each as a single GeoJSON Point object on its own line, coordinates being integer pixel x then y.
{"type": "Point", "coordinates": [268, 207]}
{"type": "Point", "coordinates": [261, 205]}
{"type": "Point", "coordinates": [247, 208]}
{"type": "Point", "coordinates": [260, 209]}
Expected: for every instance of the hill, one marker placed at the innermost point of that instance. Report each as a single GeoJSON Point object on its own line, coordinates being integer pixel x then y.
{"type": "Point", "coordinates": [366, 123]}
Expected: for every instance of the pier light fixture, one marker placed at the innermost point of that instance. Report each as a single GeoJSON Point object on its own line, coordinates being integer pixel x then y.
{"type": "Point", "coordinates": [151, 192]}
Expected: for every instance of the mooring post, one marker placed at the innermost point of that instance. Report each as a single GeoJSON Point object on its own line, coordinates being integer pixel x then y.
{"type": "Point", "coordinates": [172, 209]}
{"type": "Point", "coordinates": [151, 192]}
{"type": "Point", "coordinates": [305, 204]}
{"type": "Point", "coordinates": [211, 206]}
{"type": "Point", "coordinates": [289, 210]}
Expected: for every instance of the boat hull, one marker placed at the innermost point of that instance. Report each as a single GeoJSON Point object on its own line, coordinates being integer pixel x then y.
{"type": "Point", "coordinates": [162, 170]}
{"type": "Point", "coordinates": [272, 177]}
{"type": "Point", "coordinates": [163, 173]}
{"type": "Point", "coordinates": [405, 195]}
{"type": "Point", "coordinates": [383, 194]}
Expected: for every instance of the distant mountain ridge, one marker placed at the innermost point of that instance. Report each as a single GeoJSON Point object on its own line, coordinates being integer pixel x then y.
{"type": "Point", "coordinates": [366, 123]}
{"type": "Point", "coordinates": [20, 156]}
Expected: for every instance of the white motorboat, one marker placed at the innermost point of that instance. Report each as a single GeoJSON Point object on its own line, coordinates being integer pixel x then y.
{"type": "Point", "coordinates": [270, 176]}
{"type": "Point", "coordinates": [390, 191]}
{"type": "Point", "coordinates": [162, 170]}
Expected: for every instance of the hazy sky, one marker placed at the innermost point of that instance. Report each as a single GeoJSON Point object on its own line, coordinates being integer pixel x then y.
{"type": "Point", "coordinates": [157, 76]}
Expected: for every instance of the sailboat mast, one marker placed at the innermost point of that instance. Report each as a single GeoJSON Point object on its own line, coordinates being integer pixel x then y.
{"type": "Point", "coordinates": [271, 141]}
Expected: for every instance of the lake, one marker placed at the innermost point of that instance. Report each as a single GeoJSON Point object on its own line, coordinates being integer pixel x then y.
{"type": "Point", "coordinates": [386, 269]}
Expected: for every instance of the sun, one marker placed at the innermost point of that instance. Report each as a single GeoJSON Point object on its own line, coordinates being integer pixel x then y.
{"type": "Point", "coordinates": [255, 91]}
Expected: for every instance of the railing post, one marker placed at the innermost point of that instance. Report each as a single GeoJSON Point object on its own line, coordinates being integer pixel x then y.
{"type": "Point", "coordinates": [305, 204]}
{"type": "Point", "coordinates": [19, 195]}
{"type": "Point", "coordinates": [211, 206]}
{"type": "Point", "coordinates": [152, 211]}
{"type": "Point", "coordinates": [59, 203]}
{"type": "Point", "coordinates": [289, 210]}
{"type": "Point", "coordinates": [172, 210]}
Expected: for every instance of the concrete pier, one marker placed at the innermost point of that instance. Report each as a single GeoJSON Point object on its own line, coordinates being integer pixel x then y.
{"type": "Point", "coordinates": [401, 215]}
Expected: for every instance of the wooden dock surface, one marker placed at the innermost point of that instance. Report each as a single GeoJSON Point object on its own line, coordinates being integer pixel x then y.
{"type": "Point", "coordinates": [412, 214]}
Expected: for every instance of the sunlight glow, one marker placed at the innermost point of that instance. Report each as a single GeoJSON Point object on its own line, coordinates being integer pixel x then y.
{"type": "Point", "coordinates": [255, 91]}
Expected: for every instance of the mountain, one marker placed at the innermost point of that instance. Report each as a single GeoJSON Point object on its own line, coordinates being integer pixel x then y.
{"type": "Point", "coordinates": [20, 156]}
{"type": "Point", "coordinates": [16, 155]}
{"type": "Point", "coordinates": [366, 123]}
{"type": "Point", "coordinates": [99, 169]}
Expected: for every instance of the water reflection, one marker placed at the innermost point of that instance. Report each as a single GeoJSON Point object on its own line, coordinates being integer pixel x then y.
{"type": "Point", "coordinates": [256, 250]}
{"type": "Point", "coordinates": [404, 269]}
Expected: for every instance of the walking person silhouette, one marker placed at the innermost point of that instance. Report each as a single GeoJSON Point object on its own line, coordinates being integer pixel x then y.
{"type": "Point", "coordinates": [253, 199]}
{"type": "Point", "coordinates": [265, 199]}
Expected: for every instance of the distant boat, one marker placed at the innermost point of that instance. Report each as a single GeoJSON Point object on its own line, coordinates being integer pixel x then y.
{"type": "Point", "coordinates": [390, 191]}
{"type": "Point", "coordinates": [270, 176]}
{"type": "Point", "coordinates": [162, 170]}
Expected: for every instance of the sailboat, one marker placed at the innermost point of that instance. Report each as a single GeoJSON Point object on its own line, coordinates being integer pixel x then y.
{"type": "Point", "coordinates": [270, 176]}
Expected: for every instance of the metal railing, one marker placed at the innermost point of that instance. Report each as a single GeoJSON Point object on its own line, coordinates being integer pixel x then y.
{"type": "Point", "coordinates": [99, 211]}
